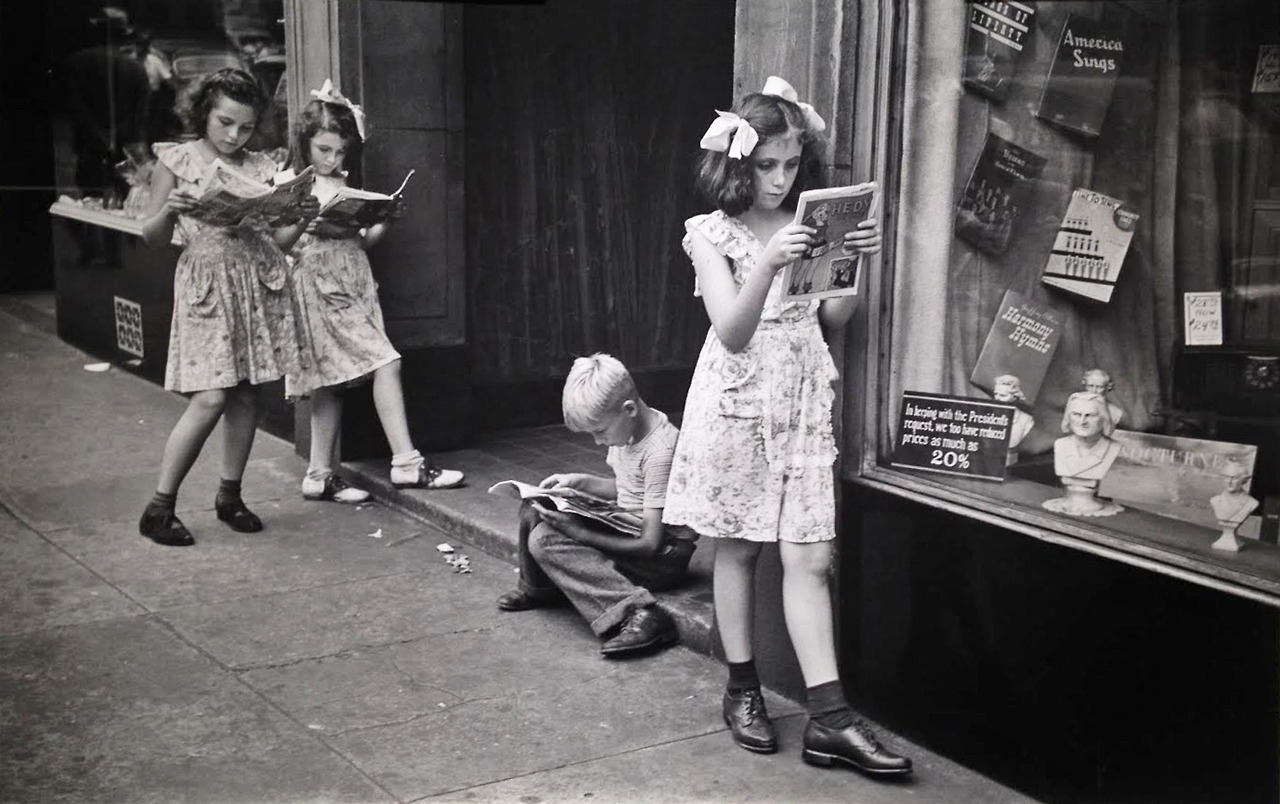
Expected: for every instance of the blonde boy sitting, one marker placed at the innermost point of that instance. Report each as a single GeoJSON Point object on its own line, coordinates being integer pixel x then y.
{"type": "Point", "coordinates": [608, 576]}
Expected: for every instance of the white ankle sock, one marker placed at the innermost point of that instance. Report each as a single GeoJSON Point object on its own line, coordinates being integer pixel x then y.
{"type": "Point", "coordinates": [408, 460]}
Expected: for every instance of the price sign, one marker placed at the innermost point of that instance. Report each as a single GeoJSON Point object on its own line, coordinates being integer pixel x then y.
{"type": "Point", "coordinates": [954, 435]}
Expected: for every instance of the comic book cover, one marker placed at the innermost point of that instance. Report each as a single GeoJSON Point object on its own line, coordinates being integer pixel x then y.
{"type": "Point", "coordinates": [353, 208]}
{"type": "Point", "coordinates": [231, 196]}
{"type": "Point", "coordinates": [826, 271]}
{"type": "Point", "coordinates": [573, 501]}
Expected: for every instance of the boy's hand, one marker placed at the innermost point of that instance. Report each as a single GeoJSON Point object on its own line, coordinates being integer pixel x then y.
{"type": "Point", "coordinates": [557, 519]}
{"type": "Point", "coordinates": [560, 481]}
{"type": "Point", "coordinates": [866, 239]}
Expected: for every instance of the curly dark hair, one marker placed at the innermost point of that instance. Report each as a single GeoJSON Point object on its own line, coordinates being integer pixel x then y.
{"type": "Point", "coordinates": [229, 82]}
{"type": "Point", "coordinates": [727, 183]}
{"type": "Point", "coordinates": [318, 116]}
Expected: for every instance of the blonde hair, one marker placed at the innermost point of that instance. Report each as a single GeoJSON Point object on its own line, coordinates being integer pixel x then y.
{"type": "Point", "coordinates": [594, 390]}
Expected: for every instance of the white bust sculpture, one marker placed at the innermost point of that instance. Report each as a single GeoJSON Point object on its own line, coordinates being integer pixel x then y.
{"type": "Point", "coordinates": [1083, 457]}
{"type": "Point", "coordinates": [1008, 388]}
{"type": "Point", "coordinates": [1099, 382]}
{"type": "Point", "coordinates": [1233, 505]}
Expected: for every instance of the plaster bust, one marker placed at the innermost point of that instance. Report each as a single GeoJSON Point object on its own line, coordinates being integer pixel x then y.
{"type": "Point", "coordinates": [1083, 457]}
{"type": "Point", "coordinates": [1088, 450]}
{"type": "Point", "coordinates": [1097, 381]}
{"type": "Point", "coordinates": [1008, 388]}
{"type": "Point", "coordinates": [1233, 505]}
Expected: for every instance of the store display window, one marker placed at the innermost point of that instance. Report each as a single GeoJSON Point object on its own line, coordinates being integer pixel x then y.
{"type": "Point", "coordinates": [1076, 328]}
{"type": "Point", "coordinates": [119, 73]}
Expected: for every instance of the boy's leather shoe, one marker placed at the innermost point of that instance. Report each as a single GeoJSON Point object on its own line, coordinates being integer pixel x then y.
{"type": "Point", "coordinates": [746, 717]}
{"type": "Point", "coordinates": [235, 514]}
{"type": "Point", "coordinates": [520, 600]}
{"type": "Point", "coordinates": [855, 746]}
{"type": "Point", "coordinates": [647, 628]}
{"type": "Point", "coordinates": [162, 526]}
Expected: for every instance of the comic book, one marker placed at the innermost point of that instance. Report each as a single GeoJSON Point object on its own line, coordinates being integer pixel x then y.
{"type": "Point", "coordinates": [826, 271]}
{"type": "Point", "coordinates": [231, 196]}
{"type": "Point", "coordinates": [576, 502]}
{"type": "Point", "coordinates": [352, 208]}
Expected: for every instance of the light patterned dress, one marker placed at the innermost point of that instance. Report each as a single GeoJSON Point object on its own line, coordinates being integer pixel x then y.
{"type": "Point", "coordinates": [756, 450]}
{"type": "Point", "coordinates": [233, 306]}
{"type": "Point", "coordinates": [340, 313]}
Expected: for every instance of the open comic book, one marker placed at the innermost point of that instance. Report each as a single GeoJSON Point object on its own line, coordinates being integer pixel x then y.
{"type": "Point", "coordinates": [231, 196]}
{"type": "Point", "coordinates": [826, 270]}
{"type": "Point", "coordinates": [573, 501]}
{"type": "Point", "coordinates": [352, 208]}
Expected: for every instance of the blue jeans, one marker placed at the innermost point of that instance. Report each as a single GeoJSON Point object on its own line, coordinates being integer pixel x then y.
{"type": "Point", "coordinates": [604, 587]}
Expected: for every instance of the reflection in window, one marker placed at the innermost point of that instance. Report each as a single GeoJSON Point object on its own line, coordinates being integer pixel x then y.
{"type": "Point", "coordinates": [121, 71]}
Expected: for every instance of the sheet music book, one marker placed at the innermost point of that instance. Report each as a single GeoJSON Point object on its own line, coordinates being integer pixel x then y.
{"type": "Point", "coordinates": [1090, 246]}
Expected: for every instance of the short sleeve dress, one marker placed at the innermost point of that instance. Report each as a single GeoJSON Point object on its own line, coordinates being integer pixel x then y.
{"type": "Point", "coordinates": [345, 336]}
{"type": "Point", "coordinates": [756, 450]}
{"type": "Point", "coordinates": [233, 306]}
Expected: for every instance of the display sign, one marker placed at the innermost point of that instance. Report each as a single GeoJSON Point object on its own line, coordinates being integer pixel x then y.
{"type": "Point", "coordinates": [1202, 318]}
{"type": "Point", "coordinates": [954, 435]}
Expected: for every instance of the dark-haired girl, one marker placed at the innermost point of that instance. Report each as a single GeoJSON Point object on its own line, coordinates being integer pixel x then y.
{"type": "Point", "coordinates": [233, 326]}
{"type": "Point", "coordinates": [346, 341]}
{"type": "Point", "coordinates": [756, 449]}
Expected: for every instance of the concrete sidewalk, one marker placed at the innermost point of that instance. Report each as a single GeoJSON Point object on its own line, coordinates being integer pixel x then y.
{"type": "Point", "coordinates": [335, 657]}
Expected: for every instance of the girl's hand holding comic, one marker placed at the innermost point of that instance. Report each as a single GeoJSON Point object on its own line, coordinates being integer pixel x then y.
{"type": "Point", "coordinates": [397, 208]}
{"type": "Point", "coordinates": [866, 239]}
{"type": "Point", "coordinates": [180, 202]}
{"type": "Point", "coordinates": [787, 245]}
{"type": "Point", "coordinates": [309, 207]}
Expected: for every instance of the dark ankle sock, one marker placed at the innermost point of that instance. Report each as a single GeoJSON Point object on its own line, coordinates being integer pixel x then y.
{"type": "Point", "coordinates": [163, 501]}
{"type": "Point", "coordinates": [228, 491]}
{"type": "Point", "coordinates": [742, 676]}
{"type": "Point", "coordinates": [827, 706]}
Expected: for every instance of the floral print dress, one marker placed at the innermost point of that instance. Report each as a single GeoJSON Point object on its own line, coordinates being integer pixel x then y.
{"type": "Point", "coordinates": [756, 450]}
{"type": "Point", "coordinates": [346, 337]}
{"type": "Point", "coordinates": [234, 317]}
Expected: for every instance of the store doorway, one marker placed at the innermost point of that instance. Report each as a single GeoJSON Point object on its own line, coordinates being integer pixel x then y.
{"type": "Point", "coordinates": [582, 127]}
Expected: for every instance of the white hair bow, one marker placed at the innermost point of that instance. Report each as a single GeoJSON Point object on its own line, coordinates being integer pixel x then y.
{"type": "Point", "coordinates": [779, 87]}
{"type": "Point", "coordinates": [328, 94]}
{"type": "Point", "coordinates": [731, 133]}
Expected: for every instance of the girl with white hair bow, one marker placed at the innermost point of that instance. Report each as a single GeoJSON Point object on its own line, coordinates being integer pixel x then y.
{"type": "Point", "coordinates": [754, 460]}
